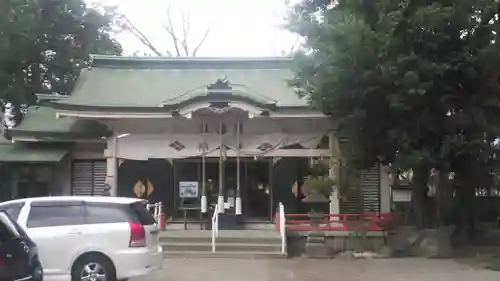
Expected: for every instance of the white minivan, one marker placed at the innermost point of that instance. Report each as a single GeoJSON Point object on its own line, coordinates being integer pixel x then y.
{"type": "Point", "coordinates": [90, 237]}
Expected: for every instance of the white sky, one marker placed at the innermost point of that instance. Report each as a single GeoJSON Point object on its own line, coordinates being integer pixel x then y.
{"type": "Point", "coordinates": [237, 27]}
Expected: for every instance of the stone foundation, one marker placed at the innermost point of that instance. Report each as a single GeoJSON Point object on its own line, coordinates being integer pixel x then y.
{"type": "Point", "coordinates": [336, 242]}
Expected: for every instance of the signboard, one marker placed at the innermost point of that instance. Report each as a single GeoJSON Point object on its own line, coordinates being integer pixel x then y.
{"type": "Point", "coordinates": [188, 189]}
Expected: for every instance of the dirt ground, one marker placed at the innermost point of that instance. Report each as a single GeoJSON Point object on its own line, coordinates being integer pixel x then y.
{"type": "Point", "coordinates": [410, 269]}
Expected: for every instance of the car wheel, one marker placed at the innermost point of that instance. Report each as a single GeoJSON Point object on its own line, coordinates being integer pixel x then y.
{"type": "Point", "coordinates": [93, 268]}
{"type": "Point", "coordinates": [37, 272]}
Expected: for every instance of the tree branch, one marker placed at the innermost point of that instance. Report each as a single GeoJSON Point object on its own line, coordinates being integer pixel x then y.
{"type": "Point", "coordinates": [170, 29]}
{"type": "Point", "coordinates": [195, 50]}
{"type": "Point", "coordinates": [185, 31]}
{"type": "Point", "coordinates": [141, 36]}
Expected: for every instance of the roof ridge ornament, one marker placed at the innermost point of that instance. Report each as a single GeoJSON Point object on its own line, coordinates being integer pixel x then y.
{"type": "Point", "coordinates": [220, 84]}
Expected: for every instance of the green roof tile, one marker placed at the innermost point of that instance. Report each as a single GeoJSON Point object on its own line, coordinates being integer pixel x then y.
{"type": "Point", "coordinates": [152, 82]}
{"type": "Point", "coordinates": [22, 153]}
{"type": "Point", "coordinates": [41, 121]}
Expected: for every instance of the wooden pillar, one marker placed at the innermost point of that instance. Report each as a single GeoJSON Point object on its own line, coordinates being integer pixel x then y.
{"type": "Point", "coordinates": [238, 209]}
{"type": "Point", "coordinates": [112, 175]}
{"type": "Point", "coordinates": [111, 154]}
{"type": "Point", "coordinates": [334, 197]}
{"type": "Point", "coordinates": [204, 200]}
{"type": "Point", "coordinates": [220, 198]}
{"type": "Point", "coordinates": [385, 189]}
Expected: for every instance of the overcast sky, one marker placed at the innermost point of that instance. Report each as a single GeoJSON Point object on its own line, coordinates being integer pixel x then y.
{"type": "Point", "coordinates": [237, 27]}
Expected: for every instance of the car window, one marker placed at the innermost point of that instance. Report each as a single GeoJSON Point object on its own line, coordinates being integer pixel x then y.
{"type": "Point", "coordinates": [143, 215]}
{"type": "Point", "coordinates": [8, 229]}
{"type": "Point", "coordinates": [13, 209]}
{"type": "Point", "coordinates": [110, 213]}
{"type": "Point", "coordinates": [55, 215]}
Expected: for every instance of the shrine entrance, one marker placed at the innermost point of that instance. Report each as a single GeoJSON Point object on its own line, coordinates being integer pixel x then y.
{"type": "Point", "coordinates": [255, 184]}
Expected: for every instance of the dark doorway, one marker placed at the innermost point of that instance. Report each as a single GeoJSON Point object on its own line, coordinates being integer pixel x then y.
{"type": "Point", "coordinates": [285, 173]}
{"type": "Point", "coordinates": [27, 189]}
{"type": "Point", "coordinates": [257, 190]}
{"type": "Point", "coordinates": [148, 179]}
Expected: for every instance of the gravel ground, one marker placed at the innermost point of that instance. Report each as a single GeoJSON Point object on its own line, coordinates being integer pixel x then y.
{"type": "Point", "coordinates": [318, 270]}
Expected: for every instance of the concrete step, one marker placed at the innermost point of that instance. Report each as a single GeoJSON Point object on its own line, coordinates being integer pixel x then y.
{"type": "Point", "coordinates": [246, 226]}
{"type": "Point", "coordinates": [252, 244]}
{"type": "Point", "coordinates": [221, 239]}
{"type": "Point", "coordinates": [223, 254]}
{"type": "Point", "coordinates": [223, 247]}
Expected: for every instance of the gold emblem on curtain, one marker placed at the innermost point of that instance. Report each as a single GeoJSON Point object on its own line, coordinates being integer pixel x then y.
{"type": "Point", "coordinates": [150, 188]}
{"type": "Point", "coordinates": [295, 188]}
{"type": "Point", "coordinates": [140, 189]}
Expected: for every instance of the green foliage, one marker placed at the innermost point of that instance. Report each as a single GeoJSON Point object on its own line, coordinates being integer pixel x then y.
{"type": "Point", "coordinates": [318, 179]}
{"type": "Point", "coordinates": [319, 184]}
{"type": "Point", "coordinates": [412, 81]}
{"type": "Point", "coordinates": [45, 43]}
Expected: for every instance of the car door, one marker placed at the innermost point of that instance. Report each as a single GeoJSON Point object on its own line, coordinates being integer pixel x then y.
{"type": "Point", "coordinates": [55, 227]}
{"type": "Point", "coordinates": [15, 250]}
{"type": "Point", "coordinates": [106, 227]}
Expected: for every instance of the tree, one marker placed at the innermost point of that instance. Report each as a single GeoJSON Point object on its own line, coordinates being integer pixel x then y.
{"type": "Point", "coordinates": [45, 43]}
{"type": "Point", "coordinates": [413, 83]}
{"type": "Point", "coordinates": [181, 46]}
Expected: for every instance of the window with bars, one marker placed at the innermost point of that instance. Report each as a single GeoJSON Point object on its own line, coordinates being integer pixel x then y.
{"type": "Point", "coordinates": [88, 177]}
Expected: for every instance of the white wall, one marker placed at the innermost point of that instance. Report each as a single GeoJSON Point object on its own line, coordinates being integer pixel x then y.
{"type": "Point", "coordinates": [90, 150]}
{"type": "Point", "coordinates": [385, 189]}
{"type": "Point", "coordinates": [401, 195]}
{"type": "Point", "coordinates": [257, 125]}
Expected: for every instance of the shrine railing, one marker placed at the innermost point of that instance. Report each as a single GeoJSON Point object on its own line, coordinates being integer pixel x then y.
{"type": "Point", "coordinates": [215, 227]}
{"type": "Point", "coordinates": [342, 222]}
{"type": "Point", "coordinates": [282, 226]}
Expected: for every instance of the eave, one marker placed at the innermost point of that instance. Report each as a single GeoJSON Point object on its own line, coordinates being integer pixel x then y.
{"type": "Point", "coordinates": [184, 109]}
{"type": "Point", "coordinates": [32, 136]}
{"type": "Point", "coordinates": [55, 140]}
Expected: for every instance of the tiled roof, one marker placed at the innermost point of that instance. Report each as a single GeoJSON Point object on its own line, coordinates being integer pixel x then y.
{"type": "Point", "coordinates": [121, 82]}
{"type": "Point", "coordinates": [41, 122]}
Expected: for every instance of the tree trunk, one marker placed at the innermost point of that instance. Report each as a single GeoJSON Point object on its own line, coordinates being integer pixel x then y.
{"type": "Point", "coordinates": [445, 217]}
{"type": "Point", "coordinates": [444, 199]}
{"type": "Point", "coordinates": [419, 195]}
{"type": "Point", "coordinates": [464, 207]}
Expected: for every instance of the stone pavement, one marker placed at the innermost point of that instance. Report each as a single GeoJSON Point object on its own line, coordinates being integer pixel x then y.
{"type": "Point", "coordinates": [318, 270]}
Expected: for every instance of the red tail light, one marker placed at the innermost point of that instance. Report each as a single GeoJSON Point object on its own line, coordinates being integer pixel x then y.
{"type": "Point", "coordinates": [137, 235]}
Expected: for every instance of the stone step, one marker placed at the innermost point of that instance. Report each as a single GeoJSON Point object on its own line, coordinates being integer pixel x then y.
{"type": "Point", "coordinates": [196, 226]}
{"type": "Point", "coordinates": [223, 247]}
{"type": "Point", "coordinates": [223, 254]}
{"type": "Point", "coordinates": [221, 239]}
{"type": "Point", "coordinates": [252, 244]}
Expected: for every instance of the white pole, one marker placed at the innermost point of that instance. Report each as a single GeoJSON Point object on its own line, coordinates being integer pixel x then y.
{"type": "Point", "coordinates": [114, 179]}
{"type": "Point", "coordinates": [204, 202]}
{"type": "Point", "coordinates": [238, 210]}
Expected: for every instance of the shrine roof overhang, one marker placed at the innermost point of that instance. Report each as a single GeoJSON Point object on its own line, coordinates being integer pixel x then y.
{"type": "Point", "coordinates": [163, 87]}
{"type": "Point", "coordinates": [41, 125]}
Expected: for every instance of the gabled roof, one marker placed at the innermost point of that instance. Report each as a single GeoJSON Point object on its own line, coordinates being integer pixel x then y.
{"type": "Point", "coordinates": [161, 84]}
